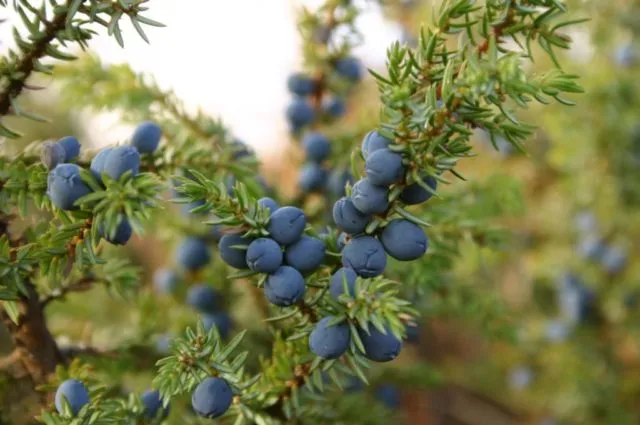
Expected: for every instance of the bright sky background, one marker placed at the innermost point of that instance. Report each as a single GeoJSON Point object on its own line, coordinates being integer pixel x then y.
{"type": "Point", "coordinates": [230, 57]}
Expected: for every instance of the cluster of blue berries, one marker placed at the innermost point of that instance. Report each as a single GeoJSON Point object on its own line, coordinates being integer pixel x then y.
{"type": "Point", "coordinates": [576, 304]}
{"type": "Point", "coordinates": [301, 112]}
{"type": "Point", "coordinates": [365, 256]}
{"type": "Point", "coordinates": [75, 394]}
{"type": "Point", "coordinates": [192, 254]}
{"type": "Point", "coordinates": [330, 339]}
{"type": "Point", "coordinates": [401, 239]}
{"type": "Point", "coordinates": [65, 185]}
{"type": "Point", "coordinates": [62, 151]}
{"type": "Point", "coordinates": [211, 399]}
{"type": "Point", "coordinates": [592, 246]}
{"type": "Point", "coordinates": [309, 98]}
{"type": "Point", "coordinates": [203, 298]}
{"type": "Point", "coordinates": [313, 175]}
{"type": "Point", "coordinates": [576, 301]}
{"type": "Point", "coordinates": [285, 256]}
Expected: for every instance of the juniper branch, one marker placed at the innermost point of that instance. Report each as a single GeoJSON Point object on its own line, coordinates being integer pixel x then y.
{"type": "Point", "coordinates": [473, 90]}
{"type": "Point", "coordinates": [82, 284]}
{"type": "Point", "coordinates": [31, 55]}
{"type": "Point", "coordinates": [63, 27]}
{"type": "Point", "coordinates": [38, 351]}
{"type": "Point", "coordinates": [330, 25]}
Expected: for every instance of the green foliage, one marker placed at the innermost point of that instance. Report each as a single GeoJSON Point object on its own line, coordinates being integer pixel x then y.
{"type": "Point", "coordinates": [198, 356]}
{"type": "Point", "coordinates": [588, 191]}
{"type": "Point", "coordinates": [50, 28]}
{"type": "Point", "coordinates": [197, 142]}
{"type": "Point", "coordinates": [433, 97]}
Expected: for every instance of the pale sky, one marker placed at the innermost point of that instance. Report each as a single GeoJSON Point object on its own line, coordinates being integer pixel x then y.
{"type": "Point", "coordinates": [230, 58]}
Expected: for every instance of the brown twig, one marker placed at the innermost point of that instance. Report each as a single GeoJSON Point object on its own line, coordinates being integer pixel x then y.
{"type": "Point", "coordinates": [83, 284]}
{"type": "Point", "coordinates": [76, 351]}
{"type": "Point", "coordinates": [496, 32]}
{"type": "Point", "coordinates": [27, 63]}
{"type": "Point", "coordinates": [318, 93]}
{"type": "Point", "coordinates": [307, 310]}
{"type": "Point", "coordinates": [37, 350]}
{"type": "Point", "coordinates": [8, 361]}
{"type": "Point", "coordinates": [77, 240]}
{"type": "Point", "coordinates": [300, 373]}
{"type": "Point", "coordinates": [320, 77]}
